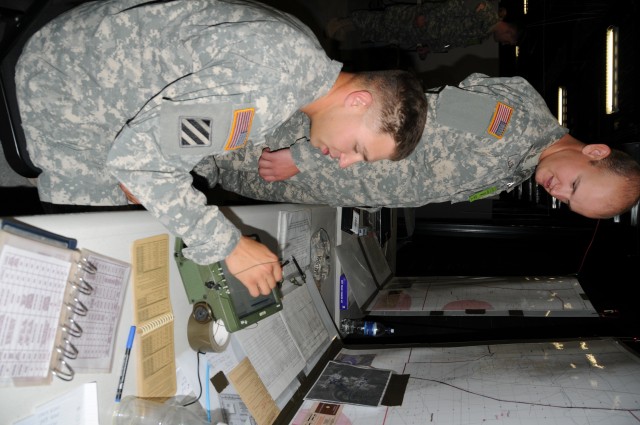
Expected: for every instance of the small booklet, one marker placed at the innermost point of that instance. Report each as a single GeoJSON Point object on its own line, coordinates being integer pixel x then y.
{"type": "Point", "coordinates": [156, 358]}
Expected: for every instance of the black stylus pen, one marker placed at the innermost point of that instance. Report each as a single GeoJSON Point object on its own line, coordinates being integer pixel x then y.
{"type": "Point", "coordinates": [304, 277]}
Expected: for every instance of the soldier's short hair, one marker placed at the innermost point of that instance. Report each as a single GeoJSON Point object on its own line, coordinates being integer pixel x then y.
{"type": "Point", "coordinates": [401, 107]}
{"type": "Point", "coordinates": [625, 166]}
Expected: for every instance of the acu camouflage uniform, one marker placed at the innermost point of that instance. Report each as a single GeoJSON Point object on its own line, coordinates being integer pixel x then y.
{"type": "Point", "coordinates": [111, 91]}
{"type": "Point", "coordinates": [449, 24]}
{"type": "Point", "coordinates": [480, 138]}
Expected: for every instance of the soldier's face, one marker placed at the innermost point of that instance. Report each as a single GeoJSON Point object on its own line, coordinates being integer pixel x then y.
{"type": "Point", "coordinates": [347, 138]}
{"type": "Point", "coordinates": [571, 178]}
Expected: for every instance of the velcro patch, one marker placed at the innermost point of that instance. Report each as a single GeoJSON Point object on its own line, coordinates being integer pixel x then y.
{"type": "Point", "coordinates": [195, 131]}
{"type": "Point", "coordinates": [483, 194]}
{"type": "Point", "coordinates": [242, 120]}
{"type": "Point", "coordinates": [500, 120]}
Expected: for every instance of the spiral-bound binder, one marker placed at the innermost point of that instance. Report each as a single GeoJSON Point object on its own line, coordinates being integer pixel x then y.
{"type": "Point", "coordinates": [44, 285]}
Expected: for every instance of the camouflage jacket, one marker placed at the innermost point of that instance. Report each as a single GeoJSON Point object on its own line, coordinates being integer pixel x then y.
{"type": "Point", "coordinates": [439, 25]}
{"type": "Point", "coordinates": [139, 92]}
{"type": "Point", "coordinates": [481, 138]}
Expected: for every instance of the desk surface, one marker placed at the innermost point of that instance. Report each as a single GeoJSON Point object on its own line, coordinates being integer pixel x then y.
{"type": "Point", "coordinates": [113, 234]}
{"type": "Point", "coordinates": [537, 383]}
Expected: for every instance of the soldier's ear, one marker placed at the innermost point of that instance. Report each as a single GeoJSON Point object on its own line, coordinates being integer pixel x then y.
{"type": "Point", "coordinates": [596, 151]}
{"type": "Point", "coordinates": [359, 98]}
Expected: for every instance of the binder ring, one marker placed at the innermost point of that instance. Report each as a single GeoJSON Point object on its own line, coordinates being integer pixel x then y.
{"type": "Point", "coordinates": [68, 349]}
{"type": "Point", "coordinates": [77, 307]}
{"type": "Point", "coordinates": [72, 328]}
{"type": "Point", "coordinates": [64, 371]}
{"type": "Point", "coordinates": [87, 266]}
{"type": "Point", "coordinates": [82, 286]}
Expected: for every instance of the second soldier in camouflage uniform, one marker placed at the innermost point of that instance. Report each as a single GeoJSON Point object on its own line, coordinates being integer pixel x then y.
{"type": "Point", "coordinates": [436, 26]}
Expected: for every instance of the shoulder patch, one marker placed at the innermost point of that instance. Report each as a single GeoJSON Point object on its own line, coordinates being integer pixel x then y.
{"type": "Point", "coordinates": [195, 131]}
{"type": "Point", "coordinates": [500, 120]}
{"type": "Point", "coordinates": [240, 128]}
{"type": "Point", "coordinates": [186, 128]}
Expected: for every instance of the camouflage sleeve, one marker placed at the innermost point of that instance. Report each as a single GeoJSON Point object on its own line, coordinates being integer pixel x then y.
{"type": "Point", "coordinates": [382, 183]}
{"type": "Point", "coordinates": [321, 180]}
{"type": "Point", "coordinates": [394, 24]}
{"type": "Point", "coordinates": [488, 16]}
{"type": "Point", "coordinates": [295, 129]}
{"type": "Point", "coordinates": [164, 186]}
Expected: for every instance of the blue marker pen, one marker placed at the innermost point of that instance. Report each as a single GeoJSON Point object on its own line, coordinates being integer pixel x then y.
{"type": "Point", "coordinates": [127, 353]}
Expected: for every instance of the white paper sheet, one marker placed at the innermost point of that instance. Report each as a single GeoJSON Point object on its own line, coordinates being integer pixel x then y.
{"type": "Point", "coordinates": [76, 407]}
{"type": "Point", "coordinates": [273, 353]}
{"type": "Point", "coordinates": [294, 238]}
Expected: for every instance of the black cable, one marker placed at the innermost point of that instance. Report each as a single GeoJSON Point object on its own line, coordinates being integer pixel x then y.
{"type": "Point", "coordinates": [199, 381]}
{"type": "Point", "coordinates": [529, 403]}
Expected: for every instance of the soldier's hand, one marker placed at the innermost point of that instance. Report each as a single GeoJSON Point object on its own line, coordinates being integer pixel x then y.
{"type": "Point", "coordinates": [255, 266]}
{"type": "Point", "coordinates": [276, 166]}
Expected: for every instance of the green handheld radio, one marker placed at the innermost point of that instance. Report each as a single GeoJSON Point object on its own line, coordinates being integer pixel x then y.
{"type": "Point", "coordinates": [217, 295]}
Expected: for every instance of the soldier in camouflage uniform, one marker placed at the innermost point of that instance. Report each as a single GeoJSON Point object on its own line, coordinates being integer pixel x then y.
{"type": "Point", "coordinates": [438, 26]}
{"type": "Point", "coordinates": [486, 136]}
{"type": "Point", "coordinates": [137, 92]}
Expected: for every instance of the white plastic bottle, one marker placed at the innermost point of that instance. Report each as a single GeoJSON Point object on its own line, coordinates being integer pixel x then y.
{"type": "Point", "coordinates": [365, 328]}
{"type": "Point", "coordinates": [138, 411]}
